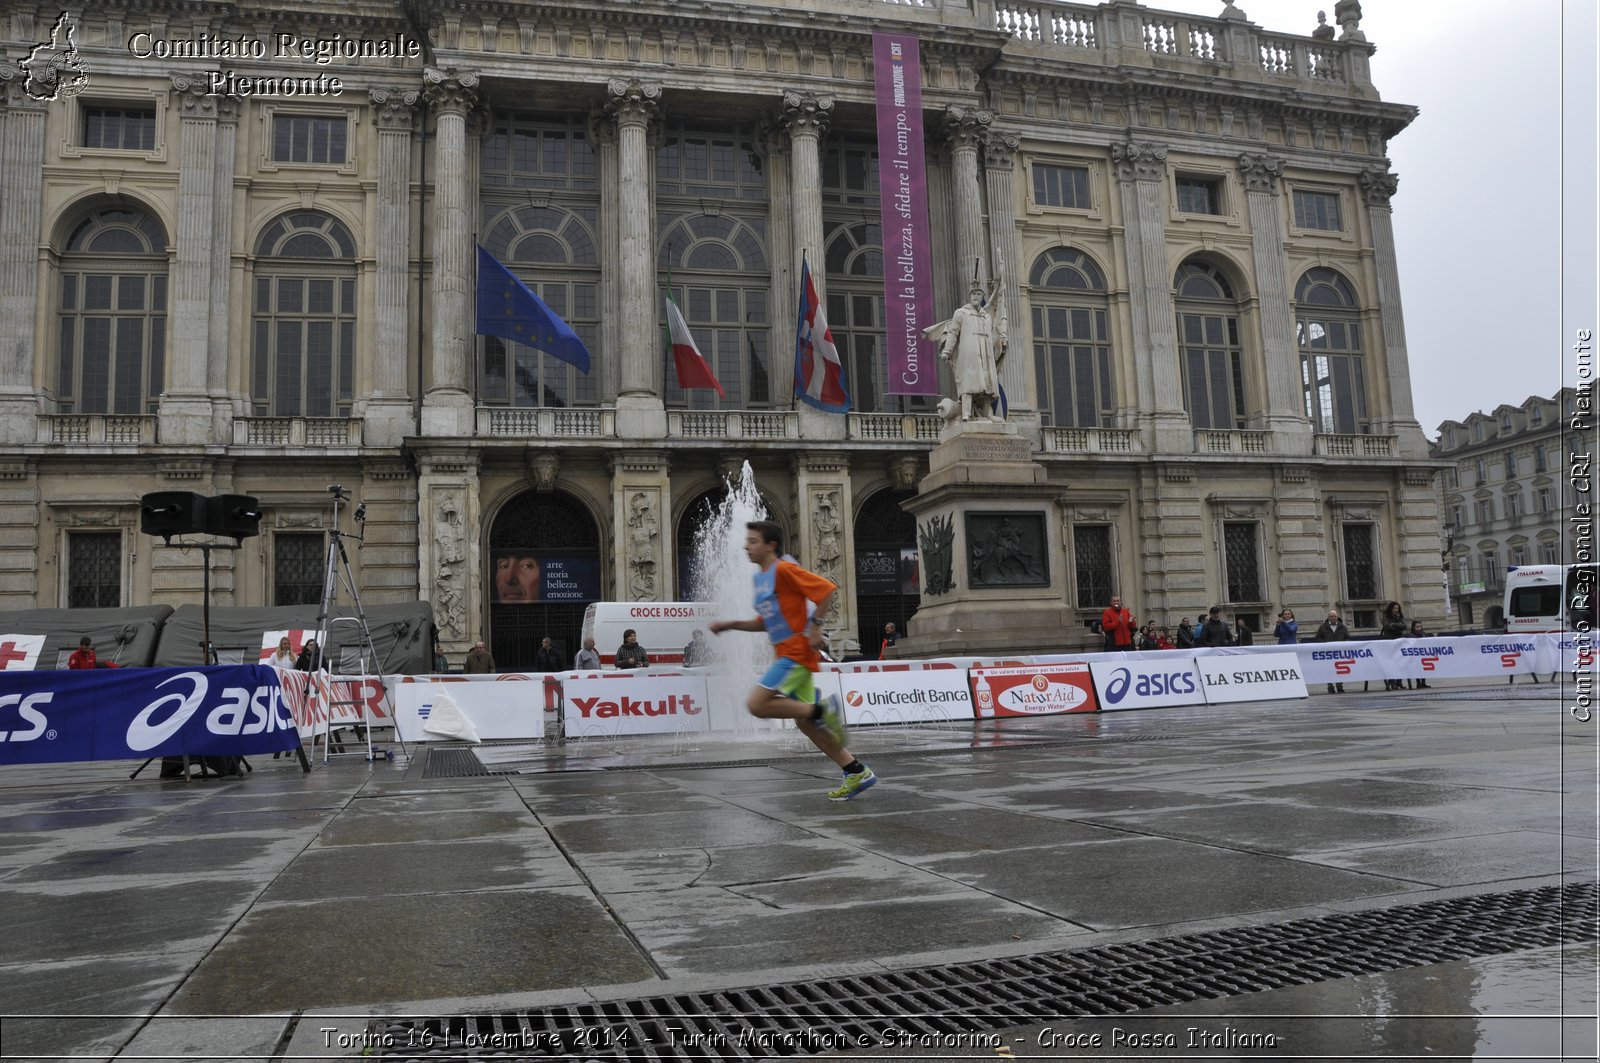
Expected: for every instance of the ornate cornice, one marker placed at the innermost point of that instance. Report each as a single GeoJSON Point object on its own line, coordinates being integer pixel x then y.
{"type": "Point", "coordinates": [450, 91]}
{"type": "Point", "coordinates": [806, 113]}
{"type": "Point", "coordinates": [1378, 185]}
{"type": "Point", "coordinates": [395, 108]}
{"type": "Point", "coordinates": [1260, 173]}
{"type": "Point", "coordinates": [1136, 161]}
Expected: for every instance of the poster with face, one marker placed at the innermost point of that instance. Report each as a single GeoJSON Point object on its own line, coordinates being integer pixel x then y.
{"type": "Point", "coordinates": [524, 577]}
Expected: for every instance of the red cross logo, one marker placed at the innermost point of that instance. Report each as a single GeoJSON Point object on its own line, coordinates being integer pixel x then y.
{"type": "Point", "coordinates": [9, 653]}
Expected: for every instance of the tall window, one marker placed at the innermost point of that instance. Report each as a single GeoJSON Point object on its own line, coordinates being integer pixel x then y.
{"type": "Point", "coordinates": [1331, 365]}
{"type": "Point", "coordinates": [297, 568]}
{"type": "Point", "coordinates": [1546, 500]}
{"type": "Point", "coordinates": [1360, 563]}
{"type": "Point", "coordinates": [1091, 559]}
{"type": "Point", "coordinates": [1209, 352]}
{"type": "Point", "coordinates": [1242, 560]}
{"type": "Point", "coordinates": [553, 250]}
{"type": "Point", "coordinates": [304, 318]}
{"type": "Point", "coordinates": [1511, 466]}
{"type": "Point", "coordinates": [1549, 552]}
{"type": "Point", "coordinates": [1071, 340]}
{"type": "Point", "coordinates": [855, 314]}
{"type": "Point", "coordinates": [94, 570]}
{"type": "Point", "coordinates": [1489, 561]}
{"type": "Point", "coordinates": [1485, 510]}
{"type": "Point", "coordinates": [1514, 506]}
{"type": "Point", "coordinates": [112, 322]}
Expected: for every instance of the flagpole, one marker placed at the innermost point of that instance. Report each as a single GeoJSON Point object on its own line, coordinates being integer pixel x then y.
{"type": "Point", "coordinates": [794, 388]}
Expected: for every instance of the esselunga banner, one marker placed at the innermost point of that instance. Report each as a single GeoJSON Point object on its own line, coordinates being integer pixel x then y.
{"type": "Point", "coordinates": [127, 714]}
{"type": "Point", "coordinates": [924, 696]}
{"type": "Point", "coordinates": [1037, 690]}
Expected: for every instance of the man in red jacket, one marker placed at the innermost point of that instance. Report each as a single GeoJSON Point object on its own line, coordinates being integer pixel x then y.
{"type": "Point", "coordinates": [83, 657]}
{"type": "Point", "coordinates": [1116, 623]}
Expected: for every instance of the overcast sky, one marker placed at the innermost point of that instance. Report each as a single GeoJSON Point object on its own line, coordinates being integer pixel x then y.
{"type": "Point", "coordinates": [1478, 218]}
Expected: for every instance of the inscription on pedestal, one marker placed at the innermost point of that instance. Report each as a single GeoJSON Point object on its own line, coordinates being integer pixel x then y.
{"type": "Point", "coordinates": [981, 449]}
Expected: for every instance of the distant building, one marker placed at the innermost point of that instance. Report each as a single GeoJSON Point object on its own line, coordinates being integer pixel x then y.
{"type": "Point", "coordinates": [1502, 498]}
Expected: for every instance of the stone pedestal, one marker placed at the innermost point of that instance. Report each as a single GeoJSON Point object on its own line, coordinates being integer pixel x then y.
{"type": "Point", "coordinates": [994, 578]}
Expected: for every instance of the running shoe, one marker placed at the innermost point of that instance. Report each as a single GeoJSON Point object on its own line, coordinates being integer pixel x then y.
{"type": "Point", "coordinates": [854, 786]}
{"type": "Point", "coordinates": [833, 720]}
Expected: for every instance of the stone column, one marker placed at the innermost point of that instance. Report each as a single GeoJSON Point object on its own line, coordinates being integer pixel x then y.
{"type": "Point", "coordinates": [784, 262]}
{"type": "Point", "coordinates": [641, 527]}
{"type": "Point", "coordinates": [966, 130]}
{"type": "Point", "coordinates": [447, 406]}
{"type": "Point", "coordinates": [221, 342]}
{"type": "Point", "coordinates": [185, 410]}
{"type": "Point", "coordinates": [824, 541]}
{"type": "Point", "coordinates": [21, 211]}
{"type": "Point", "coordinates": [999, 178]}
{"type": "Point", "coordinates": [1141, 171]}
{"type": "Point", "coordinates": [603, 132]}
{"type": "Point", "coordinates": [388, 417]}
{"type": "Point", "coordinates": [449, 566]}
{"type": "Point", "coordinates": [1378, 186]}
{"type": "Point", "coordinates": [806, 117]}
{"type": "Point", "coordinates": [640, 411]}
{"type": "Point", "coordinates": [1285, 416]}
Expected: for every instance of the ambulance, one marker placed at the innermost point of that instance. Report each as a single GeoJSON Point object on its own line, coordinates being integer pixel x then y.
{"type": "Point", "coordinates": [1550, 598]}
{"type": "Point", "coordinates": [663, 628]}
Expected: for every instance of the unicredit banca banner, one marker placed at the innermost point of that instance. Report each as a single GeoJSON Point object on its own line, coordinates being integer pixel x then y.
{"type": "Point", "coordinates": [903, 192]}
{"type": "Point", "coordinates": [665, 704]}
{"type": "Point", "coordinates": [1169, 679]}
{"type": "Point", "coordinates": [134, 713]}
{"type": "Point", "coordinates": [1036, 690]}
{"type": "Point", "coordinates": [930, 694]}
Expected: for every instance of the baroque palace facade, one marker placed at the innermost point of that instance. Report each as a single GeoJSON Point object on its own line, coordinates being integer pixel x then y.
{"type": "Point", "coordinates": [237, 256]}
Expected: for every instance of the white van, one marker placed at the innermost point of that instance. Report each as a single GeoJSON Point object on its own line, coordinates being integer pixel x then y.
{"type": "Point", "coordinates": [664, 628]}
{"type": "Point", "coordinates": [1550, 597]}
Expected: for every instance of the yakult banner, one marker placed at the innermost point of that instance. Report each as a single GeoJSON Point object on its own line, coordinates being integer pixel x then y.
{"type": "Point", "coordinates": [1171, 679]}
{"type": "Point", "coordinates": [1045, 690]}
{"type": "Point", "coordinates": [903, 192]}
{"type": "Point", "coordinates": [128, 714]}
{"type": "Point", "coordinates": [495, 710]}
{"type": "Point", "coordinates": [924, 696]}
{"type": "Point", "coordinates": [1251, 675]}
{"type": "Point", "coordinates": [600, 707]}
{"type": "Point", "coordinates": [20, 653]}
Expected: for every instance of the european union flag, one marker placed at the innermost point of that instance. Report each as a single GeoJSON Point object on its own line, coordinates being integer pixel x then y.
{"type": "Point", "coordinates": [509, 309]}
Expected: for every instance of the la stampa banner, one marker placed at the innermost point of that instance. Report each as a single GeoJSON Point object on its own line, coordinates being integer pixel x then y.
{"type": "Point", "coordinates": [133, 713]}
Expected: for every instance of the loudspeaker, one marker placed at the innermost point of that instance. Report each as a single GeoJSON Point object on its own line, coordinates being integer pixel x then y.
{"type": "Point", "coordinates": [169, 513]}
{"type": "Point", "coordinates": [236, 516]}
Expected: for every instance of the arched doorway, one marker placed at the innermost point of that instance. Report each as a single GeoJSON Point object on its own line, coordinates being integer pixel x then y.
{"type": "Point", "coordinates": [888, 584]}
{"type": "Point", "coordinates": [696, 514]}
{"type": "Point", "coordinates": [543, 571]}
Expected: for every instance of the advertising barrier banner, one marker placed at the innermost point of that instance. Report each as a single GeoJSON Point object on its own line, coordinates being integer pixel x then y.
{"type": "Point", "coordinates": [317, 697]}
{"type": "Point", "coordinates": [1251, 675]}
{"type": "Point", "coordinates": [1572, 651]}
{"type": "Point", "coordinates": [921, 696]}
{"type": "Point", "coordinates": [495, 710]}
{"type": "Point", "coordinates": [1039, 690]}
{"type": "Point", "coordinates": [1169, 679]}
{"type": "Point", "coordinates": [605, 707]}
{"type": "Point", "coordinates": [1343, 662]}
{"type": "Point", "coordinates": [128, 714]}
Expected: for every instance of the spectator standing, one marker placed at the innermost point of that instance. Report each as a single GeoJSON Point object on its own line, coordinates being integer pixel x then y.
{"type": "Point", "coordinates": [630, 654]}
{"type": "Point", "coordinates": [284, 655]}
{"type": "Point", "coordinates": [310, 659]}
{"type": "Point", "coordinates": [1287, 631]}
{"type": "Point", "coordinates": [1243, 635]}
{"type": "Point", "coordinates": [696, 653]}
{"type": "Point", "coordinates": [1332, 630]}
{"type": "Point", "coordinates": [83, 656]}
{"type": "Point", "coordinates": [1185, 634]}
{"type": "Point", "coordinates": [890, 637]}
{"type": "Point", "coordinates": [1116, 623]}
{"type": "Point", "coordinates": [441, 663]}
{"type": "Point", "coordinates": [548, 659]}
{"type": "Point", "coordinates": [479, 661]}
{"type": "Point", "coordinates": [1164, 640]}
{"type": "Point", "coordinates": [1418, 632]}
{"type": "Point", "coordinates": [1392, 625]}
{"type": "Point", "coordinates": [588, 658]}
{"type": "Point", "coordinates": [1215, 632]}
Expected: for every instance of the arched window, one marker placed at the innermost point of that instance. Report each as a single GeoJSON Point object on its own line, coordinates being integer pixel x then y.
{"type": "Point", "coordinates": [720, 283]}
{"type": "Point", "coordinates": [1071, 340]}
{"type": "Point", "coordinates": [113, 314]}
{"type": "Point", "coordinates": [1331, 366]}
{"type": "Point", "coordinates": [304, 318]}
{"type": "Point", "coordinates": [853, 265]}
{"type": "Point", "coordinates": [1208, 347]}
{"type": "Point", "coordinates": [554, 251]}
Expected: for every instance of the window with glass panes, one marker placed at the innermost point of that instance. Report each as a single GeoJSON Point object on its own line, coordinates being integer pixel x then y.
{"type": "Point", "coordinates": [1489, 563]}
{"type": "Point", "coordinates": [1071, 340]}
{"type": "Point", "coordinates": [1208, 347]}
{"type": "Point", "coordinates": [310, 138]}
{"type": "Point", "coordinates": [1485, 510]}
{"type": "Point", "coordinates": [1519, 555]}
{"type": "Point", "coordinates": [1317, 210]}
{"type": "Point", "coordinates": [553, 249]}
{"type": "Point", "coordinates": [94, 570]}
{"type": "Point", "coordinates": [1546, 500]}
{"type": "Point", "coordinates": [297, 568]}
{"type": "Point", "coordinates": [524, 150]}
{"type": "Point", "coordinates": [125, 127]}
{"type": "Point", "coordinates": [1241, 554]}
{"type": "Point", "coordinates": [1332, 369]}
{"type": "Point", "coordinates": [1514, 505]}
{"type": "Point", "coordinates": [1360, 562]}
{"type": "Point", "coordinates": [303, 318]}
{"type": "Point", "coordinates": [1199, 195]}
{"type": "Point", "coordinates": [1091, 563]}
{"type": "Point", "coordinates": [1060, 186]}
{"type": "Point", "coordinates": [1549, 552]}
{"type": "Point", "coordinates": [112, 318]}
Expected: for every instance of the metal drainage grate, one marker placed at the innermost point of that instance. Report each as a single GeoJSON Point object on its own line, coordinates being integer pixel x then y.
{"type": "Point", "coordinates": [453, 763]}
{"type": "Point", "coordinates": [967, 998]}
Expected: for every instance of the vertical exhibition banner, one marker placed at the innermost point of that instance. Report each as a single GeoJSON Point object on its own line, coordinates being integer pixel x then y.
{"type": "Point", "coordinates": [903, 188]}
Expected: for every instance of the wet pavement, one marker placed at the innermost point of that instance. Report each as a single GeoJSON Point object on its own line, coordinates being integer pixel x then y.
{"type": "Point", "coordinates": [231, 919]}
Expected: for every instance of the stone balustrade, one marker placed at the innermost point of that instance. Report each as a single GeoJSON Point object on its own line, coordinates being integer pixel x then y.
{"type": "Point", "coordinates": [97, 429]}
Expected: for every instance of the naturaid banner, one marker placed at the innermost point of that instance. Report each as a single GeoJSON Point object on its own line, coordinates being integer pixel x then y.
{"type": "Point", "coordinates": [903, 190]}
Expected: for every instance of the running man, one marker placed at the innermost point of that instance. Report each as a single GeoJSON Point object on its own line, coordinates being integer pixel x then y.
{"type": "Point", "coordinates": [787, 690]}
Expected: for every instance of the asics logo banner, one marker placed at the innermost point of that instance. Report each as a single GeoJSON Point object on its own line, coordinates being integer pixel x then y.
{"type": "Point", "coordinates": [238, 711]}
{"type": "Point", "coordinates": [1149, 685]}
{"type": "Point", "coordinates": [27, 707]}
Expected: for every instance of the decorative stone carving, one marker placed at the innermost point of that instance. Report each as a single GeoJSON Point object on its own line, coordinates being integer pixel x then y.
{"type": "Point", "coordinates": [1006, 550]}
{"type": "Point", "coordinates": [1136, 161]}
{"type": "Point", "coordinates": [1000, 152]}
{"type": "Point", "coordinates": [966, 126]}
{"type": "Point", "coordinates": [395, 109]}
{"type": "Point", "coordinates": [643, 530]}
{"type": "Point", "coordinates": [543, 467]}
{"type": "Point", "coordinates": [806, 112]}
{"type": "Point", "coordinates": [1323, 32]}
{"type": "Point", "coordinates": [449, 577]}
{"type": "Point", "coordinates": [1378, 185]}
{"type": "Point", "coordinates": [299, 520]}
{"type": "Point", "coordinates": [631, 101]}
{"type": "Point", "coordinates": [1260, 173]}
{"type": "Point", "coordinates": [453, 91]}
{"type": "Point", "coordinates": [905, 471]}
{"type": "Point", "coordinates": [1347, 13]}
{"type": "Point", "coordinates": [827, 528]}
{"type": "Point", "coordinates": [195, 99]}
{"type": "Point", "coordinates": [937, 540]}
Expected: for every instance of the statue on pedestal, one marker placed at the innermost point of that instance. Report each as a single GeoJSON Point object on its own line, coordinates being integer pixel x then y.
{"type": "Point", "coordinates": [975, 340]}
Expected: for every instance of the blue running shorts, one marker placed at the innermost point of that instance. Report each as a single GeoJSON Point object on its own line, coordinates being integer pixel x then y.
{"type": "Point", "coordinates": [791, 679]}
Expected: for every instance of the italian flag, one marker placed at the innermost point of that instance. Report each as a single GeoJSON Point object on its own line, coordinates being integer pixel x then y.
{"type": "Point", "coordinates": [693, 369]}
